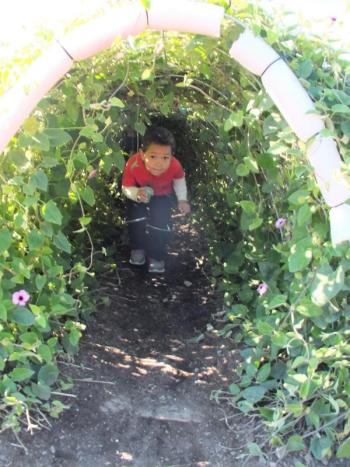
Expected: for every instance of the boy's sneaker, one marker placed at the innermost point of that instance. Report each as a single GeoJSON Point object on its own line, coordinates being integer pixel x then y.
{"type": "Point", "coordinates": [156, 266]}
{"type": "Point", "coordinates": [137, 257]}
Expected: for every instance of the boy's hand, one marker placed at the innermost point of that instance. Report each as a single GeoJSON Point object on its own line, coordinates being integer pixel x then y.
{"type": "Point", "coordinates": [184, 207]}
{"type": "Point", "coordinates": [144, 194]}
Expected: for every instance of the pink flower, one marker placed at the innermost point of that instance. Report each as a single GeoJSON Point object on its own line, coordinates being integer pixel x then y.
{"type": "Point", "coordinates": [333, 19]}
{"type": "Point", "coordinates": [281, 222]}
{"type": "Point", "coordinates": [262, 288]}
{"type": "Point", "coordinates": [20, 298]}
{"type": "Point", "coordinates": [92, 174]}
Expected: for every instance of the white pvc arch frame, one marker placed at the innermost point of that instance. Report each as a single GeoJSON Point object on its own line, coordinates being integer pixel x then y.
{"type": "Point", "coordinates": [250, 51]}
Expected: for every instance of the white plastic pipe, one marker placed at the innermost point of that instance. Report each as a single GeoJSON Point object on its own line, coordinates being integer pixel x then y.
{"type": "Point", "coordinates": [42, 75]}
{"type": "Point", "coordinates": [324, 157]}
{"type": "Point", "coordinates": [292, 100]}
{"type": "Point", "coordinates": [100, 34]}
{"type": "Point", "coordinates": [252, 52]}
{"type": "Point", "coordinates": [297, 108]}
{"type": "Point", "coordinates": [185, 16]}
{"type": "Point", "coordinates": [340, 226]}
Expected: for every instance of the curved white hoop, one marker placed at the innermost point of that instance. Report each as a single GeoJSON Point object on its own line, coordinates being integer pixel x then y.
{"type": "Point", "coordinates": [187, 16]}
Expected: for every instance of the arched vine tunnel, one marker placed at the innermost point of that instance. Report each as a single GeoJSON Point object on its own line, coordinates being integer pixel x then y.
{"type": "Point", "coordinates": [282, 284]}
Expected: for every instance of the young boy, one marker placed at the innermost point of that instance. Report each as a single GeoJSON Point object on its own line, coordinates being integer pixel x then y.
{"type": "Point", "coordinates": [149, 180]}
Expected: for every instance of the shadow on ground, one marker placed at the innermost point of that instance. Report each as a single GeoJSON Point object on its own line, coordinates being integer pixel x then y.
{"type": "Point", "coordinates": [143, 376]}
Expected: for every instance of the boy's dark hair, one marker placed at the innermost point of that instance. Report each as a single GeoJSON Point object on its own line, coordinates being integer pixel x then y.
{"type": "Point", "coordinates": [158, 135]}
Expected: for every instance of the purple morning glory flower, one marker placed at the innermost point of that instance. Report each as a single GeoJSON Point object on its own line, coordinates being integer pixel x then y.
{"type": "Point", "coordinates": [281, 222]}
{"type": "Point", "coordinates": [20, 298]}
{"type": "Point", "coordinates": [262, 288]}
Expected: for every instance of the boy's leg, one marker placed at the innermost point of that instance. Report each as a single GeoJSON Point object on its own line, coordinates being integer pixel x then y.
{"type": "Point", "coordinates": [136, 218]}
{"type": "Point", "coordinates": [159, 226]}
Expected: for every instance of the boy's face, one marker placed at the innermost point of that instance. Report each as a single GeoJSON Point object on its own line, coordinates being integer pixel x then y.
{"type": "Point", "coordinates": [157, 158]}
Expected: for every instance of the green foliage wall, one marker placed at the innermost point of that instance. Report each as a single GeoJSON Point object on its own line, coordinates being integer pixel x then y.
{"type": "Point", "coordinates": [285, 288]}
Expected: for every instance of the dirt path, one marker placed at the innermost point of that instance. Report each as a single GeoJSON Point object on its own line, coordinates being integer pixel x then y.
{"type": "Point", "coordinates": [145, 395]}
{"type": "Point", "coordinates": [143, 380]}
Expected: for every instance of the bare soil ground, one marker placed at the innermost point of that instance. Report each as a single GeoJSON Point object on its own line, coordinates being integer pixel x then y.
{"type": "Point", "coordinates": [143, 379]}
